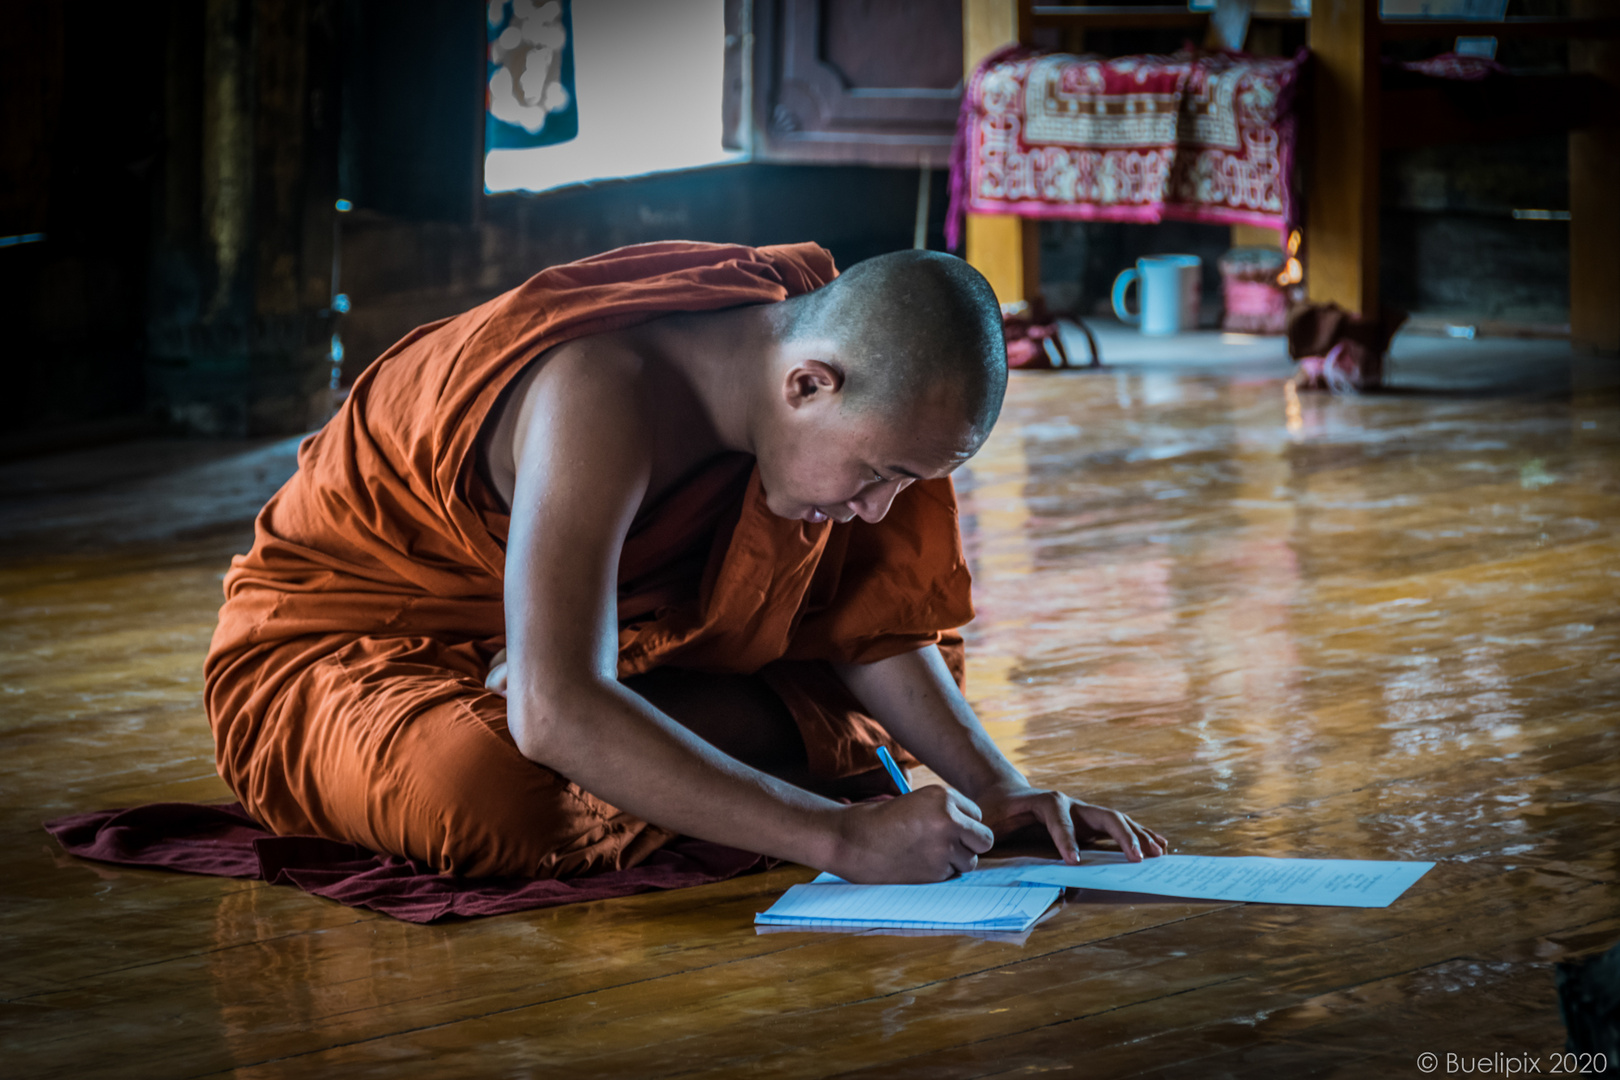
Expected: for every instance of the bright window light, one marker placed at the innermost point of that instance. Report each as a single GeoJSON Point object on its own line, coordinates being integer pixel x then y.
{"type": "Point", "coordinates": [647, 77]}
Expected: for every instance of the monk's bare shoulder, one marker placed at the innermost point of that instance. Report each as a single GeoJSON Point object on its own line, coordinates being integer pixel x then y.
{"type": "Point", "coordinates": [599, 372]}
{"type": "Point", "coordinates": [629, 386]}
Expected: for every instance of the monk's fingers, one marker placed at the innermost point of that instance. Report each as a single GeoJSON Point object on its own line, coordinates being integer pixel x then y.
{"type": "Point", "coordinates": [1113, 824]}
{"type": "Point", "coordinates": [1148, 842]}
{"type": "Point", "coordinates": [971, 831]}
{"type": "Point", "coordinates": [497, 660]}
{"type": "Point", "coordinates": [964, 805]}
{"type": "Point", "coordinates": [964, 861]}
{"type": "Point", "coordinates": [1053, 811]}
{"type": "Point", "coordinates": [979, 837]}
{"type": "Point", "coordinates": [1152, 843]}
{"type": "Point", "coordinates": [1156, 844]}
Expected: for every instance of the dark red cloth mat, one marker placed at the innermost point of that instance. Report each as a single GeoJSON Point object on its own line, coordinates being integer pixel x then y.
{"type": "Point", "coordinates": [223, 841]}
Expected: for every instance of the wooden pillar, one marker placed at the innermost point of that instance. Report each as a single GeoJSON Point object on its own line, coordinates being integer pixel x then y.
{"type": "Point", "coordinates": [227, 159]}
{"type": "Point", "coordinates": [1594, 233]}
{"type": "Point", "coordinates": [1007, 251]}
{"type": "Point", "coordinates": [1341, 229]}
{"type": "Point", "coordinates": [1256, 236]}
{"type": "Point", "coordinates": [239, 332]}
{"type": "Point", "coordinates": [1005, 248]}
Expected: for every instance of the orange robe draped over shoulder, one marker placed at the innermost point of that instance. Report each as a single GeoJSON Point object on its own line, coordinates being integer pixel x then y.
{"type": "Point", "coordinates": [344, 684]}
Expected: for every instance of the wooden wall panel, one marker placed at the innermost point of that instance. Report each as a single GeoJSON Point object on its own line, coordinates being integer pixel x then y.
{"type": "Point", "coordinates": [874, 82]}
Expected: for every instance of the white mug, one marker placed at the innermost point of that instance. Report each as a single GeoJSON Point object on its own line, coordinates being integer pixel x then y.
{"type": "Point", "coordinates": [1168, 286]}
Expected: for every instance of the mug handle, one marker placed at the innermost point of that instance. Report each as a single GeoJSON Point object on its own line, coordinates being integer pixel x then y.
{"type": "Point", "coordinates": [1122, 283]}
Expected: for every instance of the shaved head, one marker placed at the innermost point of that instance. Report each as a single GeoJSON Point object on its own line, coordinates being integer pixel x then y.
{"type": "Point", "coordinates": [911, 329]}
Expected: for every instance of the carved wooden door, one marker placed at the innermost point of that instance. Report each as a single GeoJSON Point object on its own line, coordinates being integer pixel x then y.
{"type": "Point", "coordinates": [874, 82]}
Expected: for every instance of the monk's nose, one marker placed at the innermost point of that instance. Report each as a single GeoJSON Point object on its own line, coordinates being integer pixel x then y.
{"type": "Point", "coordinates": [872, 504]}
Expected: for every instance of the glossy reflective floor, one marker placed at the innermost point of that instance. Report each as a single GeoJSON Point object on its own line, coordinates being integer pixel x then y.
{"type": "Point", "coordinates": [1381, 627]}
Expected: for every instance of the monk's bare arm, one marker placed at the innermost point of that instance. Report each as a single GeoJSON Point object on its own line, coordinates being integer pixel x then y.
{"type": "Point", "coordinates": [583, 463]}
{"type": "Point", "coordinates": [914, 696]}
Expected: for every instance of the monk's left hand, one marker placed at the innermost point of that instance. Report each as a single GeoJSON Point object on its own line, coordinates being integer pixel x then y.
{"type": "Point", "coordinates": [496, 679]}
{"type": "Point", "coordinates": [1069, 821]}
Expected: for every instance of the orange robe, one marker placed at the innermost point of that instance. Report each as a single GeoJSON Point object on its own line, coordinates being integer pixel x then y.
{"type": "Point", "coordinates": [345, 684]}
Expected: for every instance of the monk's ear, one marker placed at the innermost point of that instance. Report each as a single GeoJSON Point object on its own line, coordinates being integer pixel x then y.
{"type": "Point", "coordinates": [811, 380]}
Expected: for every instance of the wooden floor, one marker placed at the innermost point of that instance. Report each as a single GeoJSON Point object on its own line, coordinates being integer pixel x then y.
{"type": "Point", "coordinates": [1382, 627]}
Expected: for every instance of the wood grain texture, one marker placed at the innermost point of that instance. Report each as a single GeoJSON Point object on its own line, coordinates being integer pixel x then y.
{"type": "Point", "coordinates": [1379, 627]}
{"type": "Point", "coordinates": [1005, 248]}
{"type": "Point", "coordinates": [1341, 231]}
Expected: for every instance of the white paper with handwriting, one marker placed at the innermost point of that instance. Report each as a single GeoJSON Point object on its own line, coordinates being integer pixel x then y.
{"type": "Point", "coordinates": [1249, 878]}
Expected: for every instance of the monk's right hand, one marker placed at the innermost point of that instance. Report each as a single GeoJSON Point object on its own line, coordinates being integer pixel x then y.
{"type": "Point", "coordinates": [929, 835]}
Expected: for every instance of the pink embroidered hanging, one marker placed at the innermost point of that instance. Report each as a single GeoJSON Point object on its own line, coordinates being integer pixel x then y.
{"type": "Point", "coordinates": [1193, 137]}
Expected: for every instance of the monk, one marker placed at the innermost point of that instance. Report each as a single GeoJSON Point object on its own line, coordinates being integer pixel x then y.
{"type": "Point", "coordinates": [661, 542]}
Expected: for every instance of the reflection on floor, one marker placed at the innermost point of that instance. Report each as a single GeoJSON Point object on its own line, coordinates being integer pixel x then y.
{"type": "Point", "coordinates": [1268, 623]}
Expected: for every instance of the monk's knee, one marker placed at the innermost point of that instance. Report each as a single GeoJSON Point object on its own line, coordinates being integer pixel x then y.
{"type": "Point", "coordinates": [470, 804]}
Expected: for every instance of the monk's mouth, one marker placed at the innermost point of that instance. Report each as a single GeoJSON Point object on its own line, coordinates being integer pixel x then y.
{"type": "Point", "coordinates": [815, 515]}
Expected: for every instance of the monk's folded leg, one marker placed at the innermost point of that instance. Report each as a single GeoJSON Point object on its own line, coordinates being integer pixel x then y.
{"type": "Point", "coordinates": [738, 714]}
{"type": "Point", "coordinates": [840, 738]}
{"type": "Point", "coordinates": [395, 744]}
{"type": "Point", "coordinates": [796, 721]}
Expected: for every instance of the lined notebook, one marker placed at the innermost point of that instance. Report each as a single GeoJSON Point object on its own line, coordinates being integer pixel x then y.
{"type": "Point", "coordinates": [911, 907]}
{"type": "Point", "coordinates": [1006, 872]}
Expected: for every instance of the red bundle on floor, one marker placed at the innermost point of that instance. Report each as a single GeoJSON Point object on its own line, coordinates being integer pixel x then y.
{"type": "Point", "coordinates": [223, 841]}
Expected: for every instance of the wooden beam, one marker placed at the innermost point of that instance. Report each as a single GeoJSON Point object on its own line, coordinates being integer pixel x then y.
{"type": "Point", "coordinates": [1004, 248]}
{"type": "Point", "coordinates": [1528, 26]}
{"type": "Point", "coordinates": [1118, 16]}
{"type": "Point", "coordinates": [1341, 233]}
{"type": "Point", "coordinates": [987, 25]}
{"type": "Point", "coordinates": [1594, 226]}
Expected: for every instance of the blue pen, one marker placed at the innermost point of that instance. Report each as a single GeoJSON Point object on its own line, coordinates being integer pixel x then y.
{"type": "Point", "coordinates": [895, 774]}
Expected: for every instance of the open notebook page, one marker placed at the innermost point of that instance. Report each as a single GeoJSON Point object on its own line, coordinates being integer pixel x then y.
{"type": "Point", "coordinates": [1250, 878]}
{"type": "Point", "coordinates": [932, 907]}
